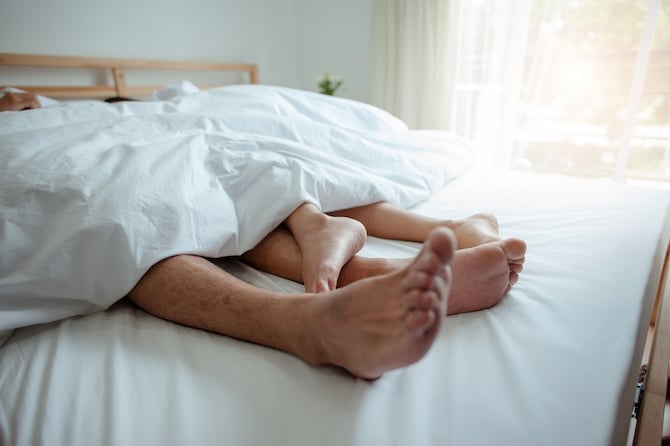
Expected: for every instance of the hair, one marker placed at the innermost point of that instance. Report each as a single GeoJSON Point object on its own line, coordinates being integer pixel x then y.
{"type": "Point", "coordinates": [114, 99]}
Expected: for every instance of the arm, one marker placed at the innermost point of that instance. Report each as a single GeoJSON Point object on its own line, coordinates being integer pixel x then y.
{"type": "Point", "coordinates": [13, 101]}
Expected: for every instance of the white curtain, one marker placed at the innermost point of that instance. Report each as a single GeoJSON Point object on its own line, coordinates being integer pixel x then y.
{"type": "Point", "coordinates": [453, 65]}
{"type": "Point", "coordinates": [491, 46]}
{"type": "Point", "coordinates": [413, 51]}
{"type": "Point", "coordinates": [528, 81]}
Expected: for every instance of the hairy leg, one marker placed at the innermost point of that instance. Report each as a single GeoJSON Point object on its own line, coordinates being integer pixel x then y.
{"type": "Point", "coordinates": [326, 243]}
{"type": "Point", "coordinates": [482, 275]}
{"type": "Point", "coordinates": [385, 220]}
{"type": "Point", "coordinates": [375, 325]}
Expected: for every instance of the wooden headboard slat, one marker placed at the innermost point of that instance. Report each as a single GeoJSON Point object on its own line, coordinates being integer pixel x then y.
{"type": "Point", "coordinates": [33, 60]}
{"type": "Point", "coordinates": [74, 91]}
{"type": "Point", "coordinates": [117, 67]}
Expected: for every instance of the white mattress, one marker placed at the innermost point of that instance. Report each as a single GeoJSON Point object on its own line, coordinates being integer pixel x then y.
{"type": "Point", "coordinates": [554, 363]}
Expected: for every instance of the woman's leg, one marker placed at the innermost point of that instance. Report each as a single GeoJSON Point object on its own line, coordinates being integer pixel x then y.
{"type": "Point", "coordinates": [279, 254]}
{"type": "Point", "coordinates": [385, 220]}
{"type": "Point", "coordinates": [482, 275]}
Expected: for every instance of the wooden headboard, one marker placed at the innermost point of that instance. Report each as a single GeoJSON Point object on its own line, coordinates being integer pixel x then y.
{"type": "Point", "coordinates": [117, 67]}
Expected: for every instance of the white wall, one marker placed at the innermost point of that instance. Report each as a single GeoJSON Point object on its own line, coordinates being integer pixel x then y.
{"type": "Point", "coordinates": [334, 37]}
{"type": "Point", "coordinates": [292, 41]}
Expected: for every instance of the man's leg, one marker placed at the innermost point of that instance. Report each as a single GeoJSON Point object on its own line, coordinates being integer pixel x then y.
{"type": "Point", "coordinates": [481, 275]}
{"type": "Point", "coordinates": [369, 327]}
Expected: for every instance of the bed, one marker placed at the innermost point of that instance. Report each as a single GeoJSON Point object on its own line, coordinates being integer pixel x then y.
{"type": "Point", "coordinates": [556, 362]}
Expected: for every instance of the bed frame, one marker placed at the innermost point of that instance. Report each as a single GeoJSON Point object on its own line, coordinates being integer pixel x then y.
{"type": "Point", "coordinates": [649, 425]}
{"type": "Point", "coordinates": [118, 68]}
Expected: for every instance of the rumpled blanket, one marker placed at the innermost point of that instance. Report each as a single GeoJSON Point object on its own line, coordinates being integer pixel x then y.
{"type": "Point", "coordinates": [93, 194]}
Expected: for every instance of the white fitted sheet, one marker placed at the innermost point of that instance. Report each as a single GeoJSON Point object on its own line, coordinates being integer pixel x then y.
{"type": "Point", "coordinates": [554, 363]}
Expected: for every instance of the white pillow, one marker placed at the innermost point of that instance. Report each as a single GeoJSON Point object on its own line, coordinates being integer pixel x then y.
{"type": "Point", "coordinates": [174, 90]}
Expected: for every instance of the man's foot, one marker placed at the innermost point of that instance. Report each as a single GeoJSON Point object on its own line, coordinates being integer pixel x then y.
{"type": "Point", "coordinates": [326, 244]}
{"type": "Point", "coordinates": [482, 275]}
{"type": "Point", "coordinates": [474, 230]}
{"type": "Point", "coordinates": [386, 322]}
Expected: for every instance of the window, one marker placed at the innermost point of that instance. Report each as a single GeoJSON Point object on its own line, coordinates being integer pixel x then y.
{"type": "Point", "coordinates": [570, 86]}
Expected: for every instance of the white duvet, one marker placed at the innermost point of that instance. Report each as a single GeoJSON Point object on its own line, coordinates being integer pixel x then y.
{"type": "Point", "coordinates": [92, 194]}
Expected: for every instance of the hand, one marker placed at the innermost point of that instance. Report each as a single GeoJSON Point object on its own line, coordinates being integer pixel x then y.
{"type": "Point", "coordinates": [19, 101]}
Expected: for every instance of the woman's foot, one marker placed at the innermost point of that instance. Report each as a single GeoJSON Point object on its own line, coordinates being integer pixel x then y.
{"type": "Point", "coordinates": [474, 230]}
{"type": "Point", "coordinates": [482, 275]}
{"type": "Point", "coordinates": [326, 243]}
{"type": "Point", "coordinates": [385, 322]}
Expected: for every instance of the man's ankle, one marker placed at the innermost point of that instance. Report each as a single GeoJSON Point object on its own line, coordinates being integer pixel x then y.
{"type": "Point", "coordinates": [312, 325]}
